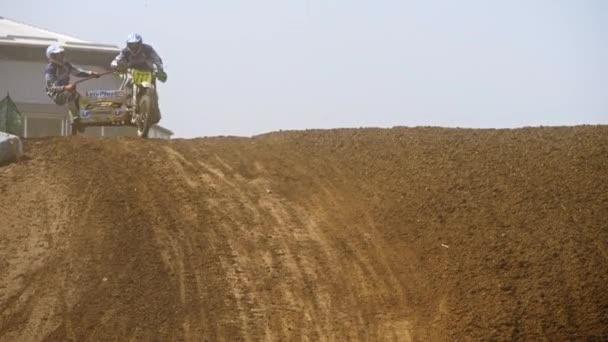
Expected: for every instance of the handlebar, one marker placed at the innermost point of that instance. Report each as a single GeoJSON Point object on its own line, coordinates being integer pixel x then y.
{"type": "Point", "coordinates": [91, 77]}
{"type": "Point", "coordinates": [101, 74]}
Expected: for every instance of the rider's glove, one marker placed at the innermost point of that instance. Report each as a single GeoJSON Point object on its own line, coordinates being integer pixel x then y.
{"type": "Point", "coordinates": [161, 76]}
{"type": "Point", "coordinates": [69, 87]}
{"type": "Point", "coordinates": [117, 67]}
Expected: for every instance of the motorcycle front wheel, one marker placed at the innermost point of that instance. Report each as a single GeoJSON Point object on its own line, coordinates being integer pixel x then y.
{"type": "Point", "coordinates": [146, 106]}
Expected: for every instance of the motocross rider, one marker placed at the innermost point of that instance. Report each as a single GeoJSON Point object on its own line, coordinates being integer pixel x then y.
{"type": "Point", "coordinates": [138, 55]}
{"type": "Point", "coordinates": [57, 76]}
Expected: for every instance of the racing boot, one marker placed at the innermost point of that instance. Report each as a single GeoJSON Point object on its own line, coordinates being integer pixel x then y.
{"type": "Point", "coordinates": [75, 117]}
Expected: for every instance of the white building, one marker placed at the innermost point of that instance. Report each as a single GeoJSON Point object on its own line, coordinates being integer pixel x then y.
{"type": "Point", "coordinates": [22, 63]}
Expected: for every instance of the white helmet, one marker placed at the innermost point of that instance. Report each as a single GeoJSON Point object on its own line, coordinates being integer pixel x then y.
{"type": "Point", "coordinates": [55, 52]}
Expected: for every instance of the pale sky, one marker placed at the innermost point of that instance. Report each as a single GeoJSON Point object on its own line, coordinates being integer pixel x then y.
{"type": "Point", "coordinates": [242, 67]}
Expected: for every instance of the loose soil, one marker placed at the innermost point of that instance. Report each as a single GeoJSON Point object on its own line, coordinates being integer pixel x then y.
{"type": "Point", "coordinates": [403, 234]}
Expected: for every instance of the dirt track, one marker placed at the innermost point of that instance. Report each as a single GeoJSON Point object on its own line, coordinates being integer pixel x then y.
{"type": "Point", "coordinates": [372, 235]}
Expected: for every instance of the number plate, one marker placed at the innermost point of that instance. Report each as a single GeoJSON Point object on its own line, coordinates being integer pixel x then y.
{"type": "Point", "coordinates": [140, 77]}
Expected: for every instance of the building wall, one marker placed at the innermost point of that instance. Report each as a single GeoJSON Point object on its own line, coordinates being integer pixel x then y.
{"type": "Point", "coordinates": [25, 81]}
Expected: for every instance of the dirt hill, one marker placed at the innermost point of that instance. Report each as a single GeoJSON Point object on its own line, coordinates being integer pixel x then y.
{"type": "Point", "coordinates": [402, 234]}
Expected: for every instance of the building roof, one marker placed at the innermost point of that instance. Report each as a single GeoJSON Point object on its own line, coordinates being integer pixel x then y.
{"type": "Point", "coordinates": [20, 34]}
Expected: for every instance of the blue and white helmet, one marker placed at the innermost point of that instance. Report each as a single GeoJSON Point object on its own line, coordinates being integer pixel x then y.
{"type": "Point", "coordinates": [54, 51]}
{"type": "Point", "coordinates": [134, 42]}
{"type": "Point", "coordinates": [134, 38]}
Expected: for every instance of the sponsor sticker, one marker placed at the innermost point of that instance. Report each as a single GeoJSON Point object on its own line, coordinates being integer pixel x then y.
{"type": "Point", "coordinates": [105, 94]}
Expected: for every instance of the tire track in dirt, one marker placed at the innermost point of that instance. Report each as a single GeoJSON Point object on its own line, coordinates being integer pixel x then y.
{"type": "Point", "coordinates": [249, 203]}
{"type": "Point", "coordinates": [242, 198]}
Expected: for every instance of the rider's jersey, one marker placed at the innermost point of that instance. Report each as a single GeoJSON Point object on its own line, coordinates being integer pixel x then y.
{"type": "Point", "coordinates": [58, 75]}
{"type": "Point", "coordinates": [143, 59]}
